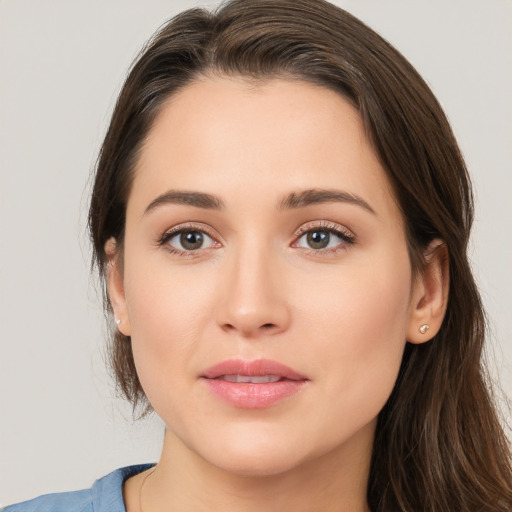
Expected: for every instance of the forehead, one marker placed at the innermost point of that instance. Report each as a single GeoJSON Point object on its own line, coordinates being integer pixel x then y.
{"type": "Point", "coordinates": [241, 139]}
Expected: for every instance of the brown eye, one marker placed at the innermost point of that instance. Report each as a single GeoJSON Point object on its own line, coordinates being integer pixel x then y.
{"type": "Point", "coordinates": [318, 239]}
{"type": "Point", "coordinates": [190, 240]}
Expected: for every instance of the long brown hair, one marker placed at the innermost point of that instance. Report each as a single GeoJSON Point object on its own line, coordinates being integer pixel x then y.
{"type": "Point", "coordinates": [439, 445]}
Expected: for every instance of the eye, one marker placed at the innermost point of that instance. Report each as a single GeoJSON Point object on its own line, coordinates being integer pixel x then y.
{"type": "Point", "coordinates": [187, 240]}
{"type": "Point", "coordinates": [319, 239]}
{"type": "Point", "coordinates": [324, 238]}
{"type": "Point", "coordinates": [316, 240]}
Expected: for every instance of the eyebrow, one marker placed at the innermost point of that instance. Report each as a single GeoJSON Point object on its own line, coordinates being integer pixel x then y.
{"type": "Point", "coordinates": [183, 197]}
{"type": "Point", "coordinates": [319, 196]}
{"type": "Point", "coordinates": [291, 201]}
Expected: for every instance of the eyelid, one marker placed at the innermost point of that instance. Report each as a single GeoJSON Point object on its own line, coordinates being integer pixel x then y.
{"type": "Point", "coordinates": [339, 230]}
{"type": "Point", "coordinates": [188, 226]}
{"type": "Point", "coordinates": [347, 237]}
{"type": "Point", "coordinates": [324, 225]}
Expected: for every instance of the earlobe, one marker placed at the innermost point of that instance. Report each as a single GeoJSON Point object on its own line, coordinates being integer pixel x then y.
{"type": "Point", "coordinates": [429, 295]}
{"type": "Point", "coordinates": [115, 287]}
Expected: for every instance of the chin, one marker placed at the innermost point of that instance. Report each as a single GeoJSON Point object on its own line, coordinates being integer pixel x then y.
{"type": "Point", "coordinates": [254, 454]}
{"type": "Point", "coordinates": [257, 464]}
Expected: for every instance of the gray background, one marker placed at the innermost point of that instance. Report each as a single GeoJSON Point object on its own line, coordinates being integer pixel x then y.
{"type": "Point", "coordinates": [61, 65]}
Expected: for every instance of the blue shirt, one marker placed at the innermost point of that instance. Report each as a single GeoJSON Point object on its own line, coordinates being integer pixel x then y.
{"type": "Point", "coordinates": [106, 495]}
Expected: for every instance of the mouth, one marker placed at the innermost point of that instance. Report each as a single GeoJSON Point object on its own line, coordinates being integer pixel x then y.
{"type": "Point", "coordinates": [253, 384]}
{"type": "Point", "coordinates": [257, 379]}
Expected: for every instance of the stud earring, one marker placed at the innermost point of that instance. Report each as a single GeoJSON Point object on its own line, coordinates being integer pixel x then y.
{"type": "Point", "coordinates": [424, 328]}
{"type": "Point", "coordinates": [118, 321]}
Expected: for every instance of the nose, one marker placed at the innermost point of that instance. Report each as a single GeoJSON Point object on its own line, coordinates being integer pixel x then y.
{"type": "Point", "coordinates": [253, 299]}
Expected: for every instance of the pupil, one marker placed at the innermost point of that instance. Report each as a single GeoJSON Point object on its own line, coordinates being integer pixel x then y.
{"type": "Point", "coordinates": [318, 239]}
{"type": "Point", "coordinates": [191, 240]}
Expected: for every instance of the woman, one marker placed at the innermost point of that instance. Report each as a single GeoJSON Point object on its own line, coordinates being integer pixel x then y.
{"type": "Point", "coordinates": [281, 216]}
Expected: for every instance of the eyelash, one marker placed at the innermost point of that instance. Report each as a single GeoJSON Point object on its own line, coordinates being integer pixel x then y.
{"type": "Point", "coordinates": [347, 237]}
{"type": "Point", "coordinates": [178, 230]}
{"type": "Point", "coordinates": [344, 234]}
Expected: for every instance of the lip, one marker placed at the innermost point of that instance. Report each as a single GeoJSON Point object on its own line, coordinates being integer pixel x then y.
{"type": "Point", "coordinates": [253, 395]}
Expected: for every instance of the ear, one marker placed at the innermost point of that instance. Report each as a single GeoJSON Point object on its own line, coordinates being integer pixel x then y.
{"type": "Point", "coordinates": [429, 296]}
{"type": "Point", "coordinates": [115, 286]}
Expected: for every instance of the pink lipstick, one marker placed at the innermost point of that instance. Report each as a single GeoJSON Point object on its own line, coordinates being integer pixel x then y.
{"type": "Point", "coordinates": [253, 384]}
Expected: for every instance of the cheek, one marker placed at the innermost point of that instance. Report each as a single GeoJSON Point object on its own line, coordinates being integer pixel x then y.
{"type": "Point", "coordinates": [357, 326]}
{"type": "Point", "coordinates": [364, 305]}
{"type": "Point", "coordinates": [163, 299]}
{"type": "Point", "coordinates": [168, 311]}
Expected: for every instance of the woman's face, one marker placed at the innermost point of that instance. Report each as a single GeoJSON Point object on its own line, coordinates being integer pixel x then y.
{"type": "Point", "coordinates": [261, 226]}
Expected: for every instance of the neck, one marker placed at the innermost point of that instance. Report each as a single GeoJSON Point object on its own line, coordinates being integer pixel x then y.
{"type": "Point", "coordinates": [334, 481]}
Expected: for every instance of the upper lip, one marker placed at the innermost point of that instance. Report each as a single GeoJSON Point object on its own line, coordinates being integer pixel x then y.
{"type": "Point", "coordinates": [257, 367]}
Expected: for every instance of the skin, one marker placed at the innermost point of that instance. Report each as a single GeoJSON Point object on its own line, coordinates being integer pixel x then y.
{"type": "Point", "coordinates": [339, 315]}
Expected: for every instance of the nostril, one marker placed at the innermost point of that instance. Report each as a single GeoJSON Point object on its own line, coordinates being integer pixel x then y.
{"type": "Point", "coordinates": [267, 326]}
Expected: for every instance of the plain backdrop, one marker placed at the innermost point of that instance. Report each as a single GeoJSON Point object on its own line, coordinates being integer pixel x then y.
{"type": "Point", "coordinates": [61, 66]}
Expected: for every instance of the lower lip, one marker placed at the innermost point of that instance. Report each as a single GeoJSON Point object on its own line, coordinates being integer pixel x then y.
{"type": "Point", "coordinates": [254, 396]}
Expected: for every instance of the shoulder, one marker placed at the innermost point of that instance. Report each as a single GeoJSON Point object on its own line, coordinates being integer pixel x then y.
{"type": "Point", "coordinates": [79, 501]}
{"type": "Point", "coordinates": [106, 495]}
